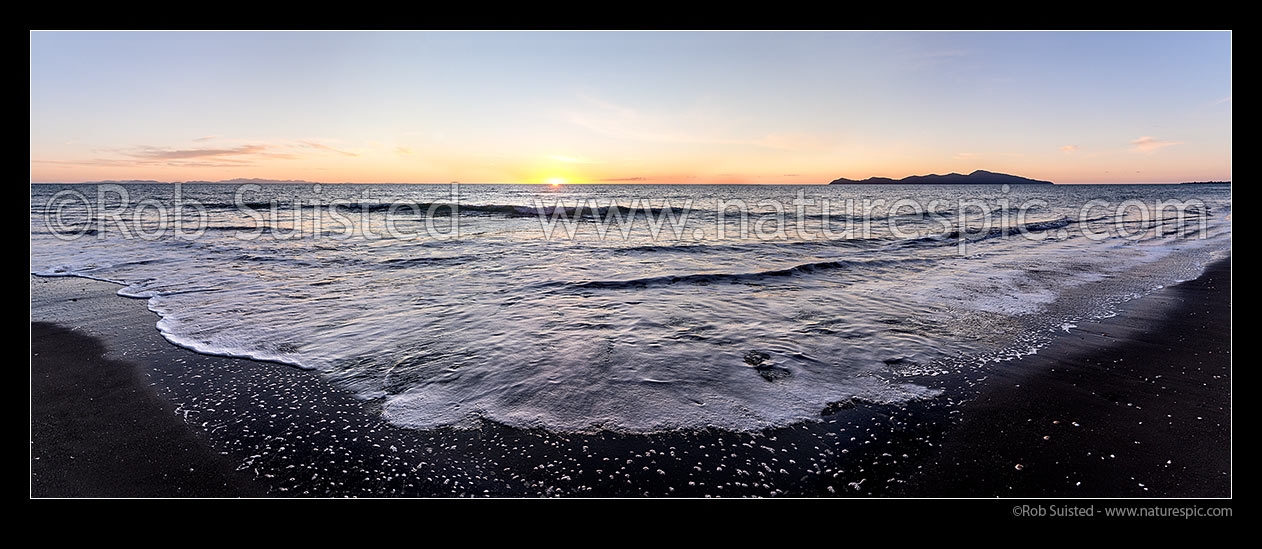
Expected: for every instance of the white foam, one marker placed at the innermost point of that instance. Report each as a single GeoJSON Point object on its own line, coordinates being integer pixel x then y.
{"type": "Point", "coordinates": [501, 336]}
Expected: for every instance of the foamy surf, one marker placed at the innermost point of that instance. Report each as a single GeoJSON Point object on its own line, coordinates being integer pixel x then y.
{"type": "Point", "coordinates": [583, 333]}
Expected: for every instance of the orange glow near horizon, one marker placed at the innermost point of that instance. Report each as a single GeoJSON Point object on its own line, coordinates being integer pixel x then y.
{"type": "Point", "coordinates": [352, 162]}
{"type": "Point", "coordinates": [607, 108]}
{"type": "Point", "coordinates": [369, 168]}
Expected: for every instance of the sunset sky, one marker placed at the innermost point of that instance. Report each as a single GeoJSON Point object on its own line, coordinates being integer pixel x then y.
{"type": "Point", "coordinates": [649, 107]}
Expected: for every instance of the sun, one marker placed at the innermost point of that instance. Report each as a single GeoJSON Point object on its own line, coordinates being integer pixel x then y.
{"type": "Point", "coordinates": [555, 181]}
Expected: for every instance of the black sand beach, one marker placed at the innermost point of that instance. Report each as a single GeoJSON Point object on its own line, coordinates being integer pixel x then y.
{"type": "Point", "coordinates": [1137, 405]}
{"type": "Point", "coordinates": [99, 429]}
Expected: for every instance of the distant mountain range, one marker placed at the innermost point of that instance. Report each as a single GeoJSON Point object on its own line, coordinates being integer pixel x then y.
{"type": "Point", "coordinates": [979, 177]}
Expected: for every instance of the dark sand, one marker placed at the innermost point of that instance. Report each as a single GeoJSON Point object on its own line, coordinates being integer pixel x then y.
{"type": "Point", "coordinates": [1137, 405]}
{"type": "Point", "coordinates": [118, 411]}
{"type": "Point", "coordinates": [99, 429]}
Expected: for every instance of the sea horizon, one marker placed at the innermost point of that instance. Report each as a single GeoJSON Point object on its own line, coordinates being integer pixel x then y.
{"type": "Point", "coordinates": [895, 265]}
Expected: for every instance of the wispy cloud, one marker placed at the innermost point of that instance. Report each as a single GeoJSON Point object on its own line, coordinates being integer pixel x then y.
{"type": "Point", "coordinates": [96, 162]}
{"type": "Point", "coordinates": [1148, 144]}
{"type": "Point", "coordinates": [244, 155]}
{"type": "Point", "coordinates": [1069, 148]}
{"type": "Point", "coordinates": [796, 141]}
{"type": "Point", "coordinates": [158, 153]}
{"type": "Point", "coordinates": [135, 162]}
{"type": "Point", "coordinates": [965, 156]}
{"type": "Point", "coordinates": [326, 148]}
{"type": "Point", "coordinates": [623, 122]}
{"type": "Point", "coordinates": [206, 138]}
{"type": "Point", "coordinates": [623, 179]}
{"type": "Point", "coordinates": [404, 151]}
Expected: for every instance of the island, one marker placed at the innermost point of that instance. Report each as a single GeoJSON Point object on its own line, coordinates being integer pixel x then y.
{"type": "Point", "coordinates": [979, 177]}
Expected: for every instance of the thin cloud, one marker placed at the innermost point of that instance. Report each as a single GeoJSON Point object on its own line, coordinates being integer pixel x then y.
{"type": "Point", "coordinates": [323, 147]}
{"type": "Point", "coordinates": [157, 153]}
{"type": "Point", "coordinates": [1069, 148]}
{"type": "Point", "coordinates": [212, 164]}
{"type": "Point", "coordinates": [242, 155]}
{"type": "Point", "coordinates": [146, 155]}
{"type": "Point", "coordinates": [1148, 144]}
{"type": "Point", "coordinates": [623, 123]}
{"type": "Point", "coordinates": [788, 141]}
{"type": "Point", "coordinates": [134, 162]}
{"type": "Point", "coordinates": [626, 123]}
{"type": "Point", "coordinates": [624, 179]}
{"type": "Point", "coordinates": [223, 156]}
{"type": "Point", "coordinates": [404, 151]}
{"type": "Point", "coordinates": [96, 162]}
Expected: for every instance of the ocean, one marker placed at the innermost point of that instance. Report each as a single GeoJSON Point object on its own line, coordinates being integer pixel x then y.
{"type": "Point", "coordinates": [628, 308]}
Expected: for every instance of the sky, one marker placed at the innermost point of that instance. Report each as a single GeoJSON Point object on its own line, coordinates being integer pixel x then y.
{"type": "Point", "coordinates": [637, 107]}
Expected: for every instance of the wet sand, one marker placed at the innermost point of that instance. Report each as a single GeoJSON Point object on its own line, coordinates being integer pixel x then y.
{"type": "Point", "coordinates": [1137, 405]}
{"type": "Point", "coordinates": [118, 411]}
{"type": "Point", "coordinates": [99, 430]}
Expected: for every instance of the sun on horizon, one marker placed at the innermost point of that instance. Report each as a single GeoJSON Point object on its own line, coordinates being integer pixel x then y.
{"type": "Point", "coordinates": [605, 107]}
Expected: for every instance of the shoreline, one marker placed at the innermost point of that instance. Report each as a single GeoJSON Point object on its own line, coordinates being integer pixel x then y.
{"type": "Point", "coordinates": [1134, 405]}
{"type": "Point", "coordinates": [99, 430]}
{"type": "Point", "coordinates": [275, 430]}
